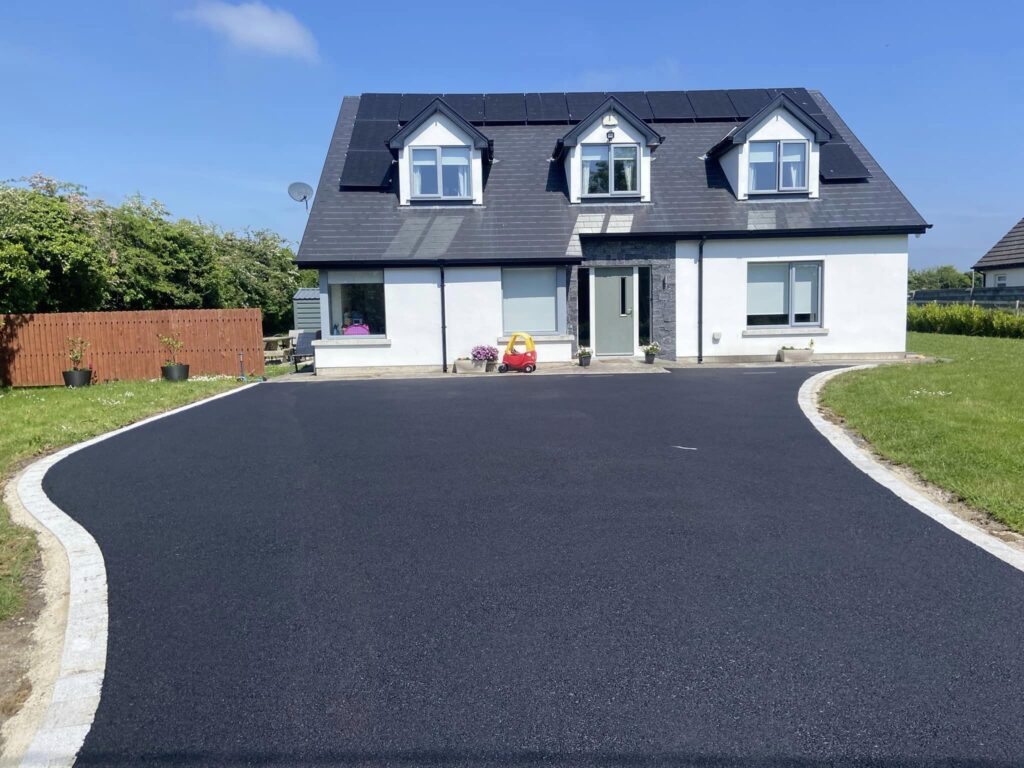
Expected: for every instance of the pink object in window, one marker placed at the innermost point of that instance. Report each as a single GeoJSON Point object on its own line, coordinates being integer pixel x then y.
{"type": "Point", "coordinates": [360, 329]}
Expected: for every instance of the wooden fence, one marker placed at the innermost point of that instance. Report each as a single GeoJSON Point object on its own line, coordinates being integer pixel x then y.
{"type": "Point", "coordinates": [124, 345]}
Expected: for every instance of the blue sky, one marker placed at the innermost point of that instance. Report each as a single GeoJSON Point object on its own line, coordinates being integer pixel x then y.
{"type": "Point", "coordinates": [214, 107]}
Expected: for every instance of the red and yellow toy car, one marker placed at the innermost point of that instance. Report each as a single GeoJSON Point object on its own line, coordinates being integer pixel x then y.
{"type": "Point", "coordinates": [514, 360]}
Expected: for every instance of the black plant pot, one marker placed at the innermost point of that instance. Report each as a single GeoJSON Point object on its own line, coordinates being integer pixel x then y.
{"type": "Point", "coordinates": [176, 372]}
{"type": "Point", "coordinates": [585, 361]}
{"type": "Point", "coordinates": [80, 377]}
{"type": "Point", "coordinates": [649, 358]}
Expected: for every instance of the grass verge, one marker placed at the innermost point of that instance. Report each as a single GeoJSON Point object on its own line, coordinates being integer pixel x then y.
{"type": "Point", "coordinates": [958, 424]}
{"type": "Point", "coordinates": [39, 420]}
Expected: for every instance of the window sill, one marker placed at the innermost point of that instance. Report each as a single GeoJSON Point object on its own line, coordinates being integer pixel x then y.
{"type": "Point", "coordinates": [540, 338]}
{"type": "Point", "coordinates": [354, 341]}
{"type": "Point", "coordinates": [811, 330]}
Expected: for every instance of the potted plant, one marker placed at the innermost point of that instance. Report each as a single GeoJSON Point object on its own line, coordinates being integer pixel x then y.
{"type": "Point", "coordinates": [77, 376]}
{"type": "Point", "coordinates": [583, 355]}
{"type": "Point", "coordinates": [651, 351]}
{"type": "Point", "coordinates": [797, 355]}
{"type": "Point", "coordinates": [484, 357]}
{"type": "Point", "coordinates": [172, 370]}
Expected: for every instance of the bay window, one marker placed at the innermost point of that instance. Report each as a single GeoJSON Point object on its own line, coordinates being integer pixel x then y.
{"type": "Point", "coordinates": [784, 294]}
{"type": "Point", "coordinates": [611, 170]}
{"type": "Point", "coordinates": [777, 166]}
{"type": "Point", "coordinates": [441, 172]}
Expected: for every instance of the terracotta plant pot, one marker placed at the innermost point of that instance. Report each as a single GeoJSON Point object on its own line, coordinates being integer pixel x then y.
{"type": "Point", "coordinates": [79, 377]}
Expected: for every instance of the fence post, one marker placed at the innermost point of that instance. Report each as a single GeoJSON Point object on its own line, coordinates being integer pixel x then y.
{"type": "Point", "coordinates": [1016, 309]}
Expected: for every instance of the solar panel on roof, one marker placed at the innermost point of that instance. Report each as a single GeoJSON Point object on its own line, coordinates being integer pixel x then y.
{"type": "Point", "coordinates": [414, 103]}
{"type": "Point", "coordinates": [582, 104]}
{"type": "Point", "coordinates": [635, 102]}
{"type": "Point", "coordinates": [711, 105]}
{"type": "Point", "coordinates": [367, 168]}
{"type": "Point", "coordinates": [505, 108]}
{"type": "Point", "coordinates": [379, 106]}
{"type": "Point", "coordinates": [469, 105]}
{"type": "Point", "coordinates": [546, 108]}
{"type": "Point", "coordinates": [372, 134]}
{"type": "Point", "coordinates": [670, 105]}
{"type": "Point", "coordinates": [747, 101]}
{"type": "Point", "coordinates": [838, 162]}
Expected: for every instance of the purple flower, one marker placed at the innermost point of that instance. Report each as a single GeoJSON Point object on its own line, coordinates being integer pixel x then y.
{"type": "Point", "coordinates": [484, 352]}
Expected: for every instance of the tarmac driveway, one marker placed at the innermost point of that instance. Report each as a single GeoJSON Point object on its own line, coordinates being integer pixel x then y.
{"type": "Point", "coordinates": [528, 571]}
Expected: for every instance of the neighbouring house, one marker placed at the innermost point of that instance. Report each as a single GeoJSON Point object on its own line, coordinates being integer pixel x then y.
{"type": "Point", "coordinates": [1003, 265]}
{"type": "Point", "coordinates": [722, 224]}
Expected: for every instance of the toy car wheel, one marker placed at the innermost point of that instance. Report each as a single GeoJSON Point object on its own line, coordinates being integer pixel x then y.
{"type": "Point", "coordinates": [502, 368]}
{"type": "Point", "coordinates": [529, 369]}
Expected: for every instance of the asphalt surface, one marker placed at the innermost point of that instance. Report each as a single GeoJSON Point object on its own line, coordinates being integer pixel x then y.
{"type": "Point", "coordinates": [520, 571]}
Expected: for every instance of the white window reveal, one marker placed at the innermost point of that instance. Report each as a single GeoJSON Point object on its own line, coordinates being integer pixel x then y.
{"type": "Point", "coordinates": [784, 294]}
{"type": "Point", "coordinates": [529, 299]}
{"type": "Point", "coordinates": [623, 162]}
{"type": "Point", "coordinates": [768, 174]}
{"type": "Point", "coordinates": [441, 172]}
{"type": "Point", "coordinates": [357, 303]}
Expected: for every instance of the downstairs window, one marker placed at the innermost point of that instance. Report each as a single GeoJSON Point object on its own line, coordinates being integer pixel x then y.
{"type": "Point", "coordinates": [357, 303]}
{"type": "Point", "coordinates": [781, 294]}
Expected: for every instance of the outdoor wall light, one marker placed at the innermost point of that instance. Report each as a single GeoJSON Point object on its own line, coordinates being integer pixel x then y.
{"type": "Point", "coordinates": [610, 135]}
{"type": "Point", "coordinates": [716, 336]}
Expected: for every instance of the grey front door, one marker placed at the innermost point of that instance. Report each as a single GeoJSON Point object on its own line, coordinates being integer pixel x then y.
{"type": "Point", "coordinates": [613, 311]}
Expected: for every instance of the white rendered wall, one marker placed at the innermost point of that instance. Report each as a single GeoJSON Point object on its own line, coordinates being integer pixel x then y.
{"type": "Point", "coordinates": [439, 131]}
{"type": "Point", "coordinates": [598, 134]}
{"type": "Point", "coordinates": [472, 308]}
{"type": "Point", "coordinates": [413, 317]}
{"type": "Point", "coordinates": [1014, 277]}
{"type": "Point", "coordinates": [864, 299]}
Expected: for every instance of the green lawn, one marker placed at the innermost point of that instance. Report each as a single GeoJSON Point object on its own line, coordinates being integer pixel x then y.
{"type": "Point", "coordinates": [39, 420]}
{"type": "Point", "coordinates": [958, 424]}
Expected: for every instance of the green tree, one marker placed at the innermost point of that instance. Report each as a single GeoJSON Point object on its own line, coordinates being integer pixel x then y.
{"type": "Point", "coordinates": [258, 270]}
{"type": "Point", "coordinates": [933, 278]}
{"type": "Point", "coordinates": [47, 229]}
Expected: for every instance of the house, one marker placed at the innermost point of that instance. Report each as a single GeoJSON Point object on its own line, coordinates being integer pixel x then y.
{"type": "Point", "coordinates": [722, 224]}
{"type": "Point", "coordinates": [1003, 265]}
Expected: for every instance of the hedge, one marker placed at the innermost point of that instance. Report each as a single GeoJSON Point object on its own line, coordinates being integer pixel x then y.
{"type": "Point", "coordinates": [965, 320]}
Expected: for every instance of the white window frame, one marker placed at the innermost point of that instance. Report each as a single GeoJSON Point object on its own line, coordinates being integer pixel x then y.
{"type": "Point", "coordinates": [611, 170]}
{"type": "Point", "coordinates": [779, 147]}
{"type": "Point", "coordinates": [1000, 281]}
{"type": "Point", "coordinates": [790, 292]}
{"type": "Point", "coordinates": [439, 150]}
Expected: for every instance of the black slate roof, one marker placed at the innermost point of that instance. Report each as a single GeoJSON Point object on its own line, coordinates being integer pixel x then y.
{"type": "Point", "coordinates": [526, 214]}
{"type": "Point", "coordinates": [1008, 252]}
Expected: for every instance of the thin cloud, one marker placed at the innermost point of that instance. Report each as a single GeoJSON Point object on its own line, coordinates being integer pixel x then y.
{"type": "Point", "coordinates": [257, 27]}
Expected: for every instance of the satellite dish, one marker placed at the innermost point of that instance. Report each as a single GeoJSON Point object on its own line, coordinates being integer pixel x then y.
{"type": "Point", "coordinates": [300, 192]}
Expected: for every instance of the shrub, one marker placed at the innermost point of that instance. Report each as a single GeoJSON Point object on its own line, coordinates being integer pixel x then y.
{"type": "Point", "coordinates": [964, 320]}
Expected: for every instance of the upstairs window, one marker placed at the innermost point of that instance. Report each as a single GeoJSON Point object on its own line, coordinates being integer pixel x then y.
{"type": "Point", "coordinates": [441, 172]}
{"type": "Point", "coordinates": [624, 166]}
{"type": "Point", "coordinates": [777, 166]}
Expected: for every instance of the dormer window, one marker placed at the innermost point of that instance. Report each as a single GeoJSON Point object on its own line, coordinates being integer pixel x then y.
{"type": "Point", "coordinates": [623, 179]}
{"type": "Point", "coordinates": [453, 180]}
{"type": "Point", "coordinates": [767, 174]}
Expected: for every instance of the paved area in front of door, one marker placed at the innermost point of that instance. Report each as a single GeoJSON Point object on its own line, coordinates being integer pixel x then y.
{"type": "Point", "coordinates": [533, 571]}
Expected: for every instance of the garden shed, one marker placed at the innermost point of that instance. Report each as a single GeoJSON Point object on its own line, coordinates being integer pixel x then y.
{"type": "Point", "coordinates": [306, 309]}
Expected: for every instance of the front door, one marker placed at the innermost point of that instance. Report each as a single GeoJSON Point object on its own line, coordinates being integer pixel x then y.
{"type": "Point", "coordinates": [613, 311]}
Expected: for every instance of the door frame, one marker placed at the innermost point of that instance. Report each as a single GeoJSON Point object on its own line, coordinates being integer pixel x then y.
{"type": "Point", "coordinates": [592, 278]}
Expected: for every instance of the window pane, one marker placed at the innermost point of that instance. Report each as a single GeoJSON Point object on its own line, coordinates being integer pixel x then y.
{"type": "Point", "coordinates": [768, 294]}
{"type": "Point", "coordinates": [794, 165]}
{"type": "Point", "coordinates": [595, 170]}
{"type": "Point", "coordinates": [357, 309]}
{"type": "Point", "coordinates": [763, 166]}
{"type": "Point", "coordinates": [455, 172]}
{"type": "Point", "coordinates": [806, 279]}
{"type": "Point", "coordinates": [625, 169]}
{"type": "Point", "coordinates": [529, 300]}
{"type": "Point", "coordinates": [424, 172]}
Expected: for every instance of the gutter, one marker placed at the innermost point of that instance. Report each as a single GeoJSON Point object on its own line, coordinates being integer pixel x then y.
{"type": "Point", "coordinates": [744, 234]}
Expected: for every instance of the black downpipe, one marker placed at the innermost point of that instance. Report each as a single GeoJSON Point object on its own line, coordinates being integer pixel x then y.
{"type": "Point", "coordinates": [444, 328]}
{"type": "Point", "coordinates": [700, 301]}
